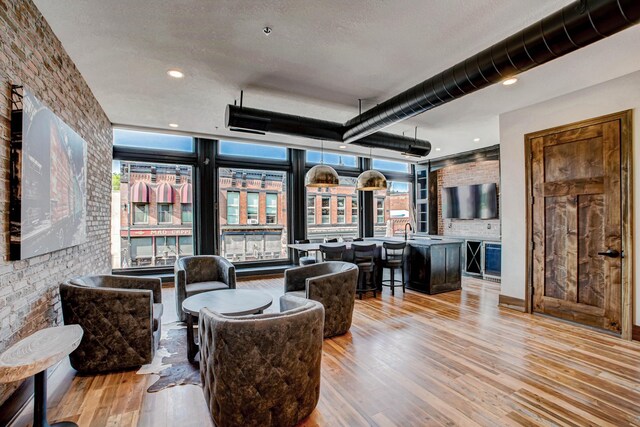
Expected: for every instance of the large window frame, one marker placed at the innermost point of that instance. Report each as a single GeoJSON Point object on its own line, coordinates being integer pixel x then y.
{"type": "Point", "coordinates": [206, 162]}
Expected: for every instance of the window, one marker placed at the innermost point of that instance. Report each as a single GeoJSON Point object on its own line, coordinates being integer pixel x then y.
{"type": "Point", "coordinates": [186, 213]}
{"type": "Point", "coordinates": [165, 213]}
{"type": "Point", "coordinates": [166, 250]}
{"type": "Point", "coordinates": [140, 213]}
{"type": "Point", "coordinates": [326, 210]}
{"type": "Point", "coordinates": [336, 210]}
{"type": "Point", "coordinates": [141, 251]}
{"type": "Point", "coordinates": [185, 245]}
{"type": "Point", "coordinates": [334, 159]}
{"type": "Point", "coordinates": [354, 209]}
{"type": "Point", "coordinates": [245, 149]}
{"type": "Point", "coordinates": [233, 207]}
{"type": "Point", "coordinates": [253, 225]}
{"type": "Point", "coordinates": [391, 166]}
{"type": "Point", "coordinates": [393, 208]}
{"type": "Point", "coordinates": [311, 210]}
{"type": "Point", "coordinates": [140, 233]}
{"type": "Point", "coordinates": [379, 211]}
{"type": "Point", "coordinates": [152, 141]}
{"type": "Point", "coordinates": [272, 209]}
{"type": "Point", "coordinates": [341, 210]}
{"type": "Point", "coordinates": [253, 205]}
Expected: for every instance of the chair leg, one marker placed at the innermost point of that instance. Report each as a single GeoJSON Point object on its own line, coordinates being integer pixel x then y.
{"type": "Point", "coordinates": [402, 268]}
{"type": "Point", "coordinates": [393, 281]}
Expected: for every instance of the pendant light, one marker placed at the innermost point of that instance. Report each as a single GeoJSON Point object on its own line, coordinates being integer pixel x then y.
{"type": "Point", "coordinates": [371, 179]}
{"type": "Point", "coordinates": [322, 175]}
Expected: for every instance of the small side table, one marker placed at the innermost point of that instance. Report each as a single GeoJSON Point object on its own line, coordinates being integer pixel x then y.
{"type": "Point", "coordinates": [32, 356]}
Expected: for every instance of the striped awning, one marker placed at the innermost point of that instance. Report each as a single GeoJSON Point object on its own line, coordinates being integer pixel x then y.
{"type": "Point", "coordinates": [139, 193]}
{"type": "Point", "coordinates": [186, 194]}
{"type": "Point", "coordinates": [165, 193]}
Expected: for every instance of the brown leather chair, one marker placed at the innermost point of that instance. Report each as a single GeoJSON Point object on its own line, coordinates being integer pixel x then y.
{"type": "Point", "coordinates": [201, 273]}
{"type": "Point", "coordinates": [120, 317]}
{"type": "Point", "coordinates": [262, 370]}
{"type": "Point", "coordinates": [331, 283]}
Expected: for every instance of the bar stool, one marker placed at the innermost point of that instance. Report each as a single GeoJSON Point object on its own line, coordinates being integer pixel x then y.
{"type": "Point", "coordinates": [332, 253]}
{"type": "Point", "coordinates": [305, 258]}
{"type": "Point", "coordinates": [331, 240]}
{"type": "Point", "coordinates": [393, 259]}
{"type": "Point", "coordinates": [364, 258]}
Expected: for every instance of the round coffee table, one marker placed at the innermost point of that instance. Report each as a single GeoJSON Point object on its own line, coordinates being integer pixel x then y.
{"type": "Point", "coordinates": [32, 356]}
{"type": "Point", "coordinates": [228, 302]}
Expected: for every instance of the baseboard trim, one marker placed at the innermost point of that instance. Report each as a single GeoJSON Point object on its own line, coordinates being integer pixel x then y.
{"type": "Point", "coordinates": [511, 303]}
{"type": "Point", "coordinates": [635, 333]}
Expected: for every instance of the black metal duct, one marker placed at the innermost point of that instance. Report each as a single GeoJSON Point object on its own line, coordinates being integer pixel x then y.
{"type": "Point", "coordinates": [571, 28]}
{"type": "Point", "coordinates": [254, 120]}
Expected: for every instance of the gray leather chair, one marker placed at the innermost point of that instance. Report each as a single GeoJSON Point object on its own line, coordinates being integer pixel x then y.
{"type": "Point", "coordinates": [202, 273]}
{"type": "Point", "coordinates": [120, 317]}
{"type": "Point", "coordinates": [262, 370]}
{"type": "Point", "coordinates": [331, 283]}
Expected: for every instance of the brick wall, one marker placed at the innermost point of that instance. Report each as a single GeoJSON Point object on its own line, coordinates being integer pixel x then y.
{"type": "Point", "coordinates": [31, 55]}
{"type": "Point", "coordinates": [468, 174]}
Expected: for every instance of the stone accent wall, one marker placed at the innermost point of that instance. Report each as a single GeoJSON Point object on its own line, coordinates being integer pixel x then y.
{"type": "Point", "coordinates": [31, 55]}
{"type": "Point", "coordinates": [469, 174]}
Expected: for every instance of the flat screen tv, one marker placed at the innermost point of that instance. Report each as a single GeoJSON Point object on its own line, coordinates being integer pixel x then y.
{"type": "Point", "coordinates": [470, 202]}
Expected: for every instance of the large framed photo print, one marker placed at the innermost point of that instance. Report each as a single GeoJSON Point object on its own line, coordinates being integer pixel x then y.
{"type": "Point", "coordinates": [48, 180]}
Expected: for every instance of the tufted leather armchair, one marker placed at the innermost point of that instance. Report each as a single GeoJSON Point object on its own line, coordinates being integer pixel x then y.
{"type": "Point", "coordinates": [331, 283]}
{"type": "Point", "coordinates": [201, 273]}
{"type": "Point", "coordinates": [262, 370]}
{"type": "Point", "coordinates": [121, 319]}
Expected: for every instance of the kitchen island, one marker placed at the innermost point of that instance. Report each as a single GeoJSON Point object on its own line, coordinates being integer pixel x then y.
{"type": "Point", "coordinates": [432, 265]}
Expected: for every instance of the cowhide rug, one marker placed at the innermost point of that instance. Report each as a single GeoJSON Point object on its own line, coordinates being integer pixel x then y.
{"type": "Point", "coordinates": [170, 361]}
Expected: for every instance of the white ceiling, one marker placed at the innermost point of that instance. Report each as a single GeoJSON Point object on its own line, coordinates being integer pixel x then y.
{"type": "Point", "coordinates": [320, 58]}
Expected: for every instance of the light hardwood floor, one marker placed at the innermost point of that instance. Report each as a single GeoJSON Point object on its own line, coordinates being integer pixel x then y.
{"type": "Point", "coordinates": [416, 360]}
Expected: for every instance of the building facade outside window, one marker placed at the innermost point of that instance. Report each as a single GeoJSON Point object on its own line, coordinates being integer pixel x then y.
{"type": "Point", "coordinates": [253, 215]}
{"type": "Point", "coordinates": [272, 209]}
{"type": "Point", "coordinates": [145, 231]}
{"type": "Point", "coordinates": [333, 212]}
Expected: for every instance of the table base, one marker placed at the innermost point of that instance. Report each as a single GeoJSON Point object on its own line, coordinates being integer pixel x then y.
{"type": "Point", "coordinates": [40, 403]}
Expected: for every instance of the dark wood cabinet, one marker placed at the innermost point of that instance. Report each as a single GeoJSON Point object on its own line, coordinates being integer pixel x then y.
{"type": "Point", "coordinates": [435, 268]}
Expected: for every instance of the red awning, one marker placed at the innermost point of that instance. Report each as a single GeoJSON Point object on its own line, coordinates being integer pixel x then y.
{"type": "Point", "coordinates": [165, 193]}
{"type": "Point", "coordinates": [139, 193]}
{"type": "Point", "coordinates": [186, 194]}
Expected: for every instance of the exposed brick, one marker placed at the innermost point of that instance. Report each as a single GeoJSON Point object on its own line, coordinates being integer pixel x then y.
{"type": "Point", "coordinates": [31, 55]}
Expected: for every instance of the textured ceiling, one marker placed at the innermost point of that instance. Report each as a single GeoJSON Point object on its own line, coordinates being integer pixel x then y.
{"type": "Point", "coordinates": [320, 58]}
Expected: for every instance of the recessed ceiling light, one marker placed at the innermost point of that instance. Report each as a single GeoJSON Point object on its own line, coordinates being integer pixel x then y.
{"type": "Point", "coordinates": [343, 146]}
{"type": "Point", "coordinates": [173, 125]}
{"type": "Point", "coordinates": [510, 81]}
{"type": "Point", "coordinates": [176, 74]}
{"type": "Point", "coordinates": [476, 139]}
{"type": "Point", "coordinates": [438, 149]}
{"type": "Point", "coordinates": [267, 31]}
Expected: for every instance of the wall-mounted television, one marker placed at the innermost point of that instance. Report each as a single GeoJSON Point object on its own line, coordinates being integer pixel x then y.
{"type": "Point", "coordinates": [470, 202]}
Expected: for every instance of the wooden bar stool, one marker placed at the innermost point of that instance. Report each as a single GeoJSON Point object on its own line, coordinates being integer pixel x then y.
{"type": "Point", "coordinates": [393, 259]}
{"type": "Point", "coordinates": [364, 258]}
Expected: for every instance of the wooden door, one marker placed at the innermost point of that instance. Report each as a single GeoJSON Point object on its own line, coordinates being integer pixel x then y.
{"type": "Point", "coordinates": [577, 223]}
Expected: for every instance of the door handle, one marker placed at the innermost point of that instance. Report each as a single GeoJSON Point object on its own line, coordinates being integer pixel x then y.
{"type": "Point", "coordinates": [611, 253]}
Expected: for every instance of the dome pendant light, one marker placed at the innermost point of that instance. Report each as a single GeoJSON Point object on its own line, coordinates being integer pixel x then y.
{"type": "Point", "coordinates": [321, 175]}
{"type": "Point", "coordinates": [371, 179]}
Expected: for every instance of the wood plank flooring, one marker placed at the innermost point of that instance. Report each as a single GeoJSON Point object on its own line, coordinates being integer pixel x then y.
{"type": "Point", "coordinates": [415, 360]}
